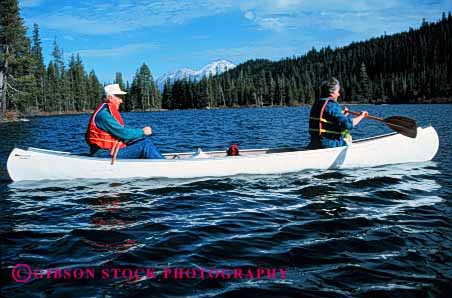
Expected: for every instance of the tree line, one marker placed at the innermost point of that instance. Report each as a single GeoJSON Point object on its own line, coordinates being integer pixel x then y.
{"type": "Point", "coordinates": [409, 67]}
{"type": "Point", "coordinates": [29, 86]}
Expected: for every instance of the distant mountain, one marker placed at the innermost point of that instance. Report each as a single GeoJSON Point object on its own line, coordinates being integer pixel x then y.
{"type": "Point", "coordinates": [214, 68]}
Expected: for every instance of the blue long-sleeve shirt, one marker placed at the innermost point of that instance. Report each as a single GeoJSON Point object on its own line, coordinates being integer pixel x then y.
{"type": "Point", "coordinates": [333, 109]}
{"type": "Point", "coordinates": [105, 121]}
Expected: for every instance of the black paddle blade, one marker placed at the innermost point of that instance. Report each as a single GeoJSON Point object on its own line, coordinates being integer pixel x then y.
{"type": "Point", "coordinates": [403, 125]}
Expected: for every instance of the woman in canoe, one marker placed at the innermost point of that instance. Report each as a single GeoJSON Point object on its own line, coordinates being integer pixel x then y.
{"type": "Point", "coordinates": [329, 126]}
{"type": "Point", "coordinates": [106, 134]}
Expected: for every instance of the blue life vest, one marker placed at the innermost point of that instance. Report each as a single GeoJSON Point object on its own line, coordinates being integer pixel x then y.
{"type": "Point", "coordinates": [324, 126]}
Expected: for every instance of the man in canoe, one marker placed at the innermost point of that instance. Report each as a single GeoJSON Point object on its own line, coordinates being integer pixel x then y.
{"type": "Point", "coordinates": [107, 136]}
{"type": "Point", "coordinates": [329, 126]}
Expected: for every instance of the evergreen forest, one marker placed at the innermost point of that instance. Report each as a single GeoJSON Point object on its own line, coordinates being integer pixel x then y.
{"type": "Point", "coordinates": [408, 67]}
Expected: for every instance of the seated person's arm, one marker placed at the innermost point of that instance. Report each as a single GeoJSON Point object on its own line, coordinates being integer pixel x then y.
{"type": "Point", "coordinates": [105, 121]}
{"type": "Point", "coordinates": [343, 121]}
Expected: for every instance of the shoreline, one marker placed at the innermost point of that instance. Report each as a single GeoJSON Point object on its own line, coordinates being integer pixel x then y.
{"type": "Point", "coordinates": [12, 116]}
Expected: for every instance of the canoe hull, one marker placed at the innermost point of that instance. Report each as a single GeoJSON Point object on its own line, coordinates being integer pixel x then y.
{"type": "Point", "coordinates": [38, 164]}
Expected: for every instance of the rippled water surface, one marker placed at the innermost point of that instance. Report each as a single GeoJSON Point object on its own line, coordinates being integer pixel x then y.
{"type": "Point", "coordinates": [374, 232]}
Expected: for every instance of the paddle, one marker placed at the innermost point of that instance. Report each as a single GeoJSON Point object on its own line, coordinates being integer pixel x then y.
{"type": "Point", "coordinates": [403, 125]}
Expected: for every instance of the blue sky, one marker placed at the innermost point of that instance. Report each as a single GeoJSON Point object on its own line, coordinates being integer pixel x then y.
{"type": "Point", "coordinates": [120, 35]}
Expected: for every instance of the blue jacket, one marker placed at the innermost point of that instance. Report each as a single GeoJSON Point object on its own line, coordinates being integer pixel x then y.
{"type": "Point", "coordinates": [106, 122]}
{"type": "Point", "coordinates": [334, 125]}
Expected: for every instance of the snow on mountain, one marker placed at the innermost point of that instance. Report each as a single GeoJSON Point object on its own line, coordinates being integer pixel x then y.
{"type": "Point", "coordinates": [214, 68]}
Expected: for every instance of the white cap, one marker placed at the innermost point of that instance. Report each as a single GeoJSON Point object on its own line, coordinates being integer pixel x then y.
{"type": "Point", "coordinates": [113, 89]}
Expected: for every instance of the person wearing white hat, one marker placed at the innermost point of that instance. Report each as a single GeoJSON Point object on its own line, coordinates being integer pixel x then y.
{"type": "Point", "coordinates": [106, 133]}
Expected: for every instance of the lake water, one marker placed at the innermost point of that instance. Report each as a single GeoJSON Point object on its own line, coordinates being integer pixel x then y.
{"type": "Point", "coordinates": [375, 232]}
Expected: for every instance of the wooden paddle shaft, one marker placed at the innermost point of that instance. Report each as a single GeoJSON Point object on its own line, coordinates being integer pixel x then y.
{"type": "Point", "coordinates": [368, 116]}
{"type": "Point", "coordinates": [402, 125]}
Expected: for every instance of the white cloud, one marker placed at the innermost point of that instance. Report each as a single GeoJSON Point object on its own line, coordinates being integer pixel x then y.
{"type": "Point", "coordinates": [365, 16]}
{"type": "Point", "coordinates": [118, 51]}
{"type": "Point", "coordinates": [240, 54]}
{"type": "Point", "coordinates": [29, 3]}
{"type": "Point", "coordinates": [272, 23]}
{"type": "Point", "coordinates": [68, 23]}
{"type": "Point", "coordinates": [249, 15]}
{"type": "Point", "coordinates": [121, 16]}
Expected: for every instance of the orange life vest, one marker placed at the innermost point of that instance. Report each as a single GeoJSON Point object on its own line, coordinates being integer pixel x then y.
{"type": "Point", "coordinates": [102, 139]}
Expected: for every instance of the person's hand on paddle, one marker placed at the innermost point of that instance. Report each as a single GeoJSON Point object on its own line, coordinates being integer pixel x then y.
{"type": "Point", "coordinates": [346, 113]}
{"type": "Point", "coordinates": [147, 131]}
{"type": "Point", "coordinates": [358, 117]}
{"type": "Point", "coordinates": [364, 114]}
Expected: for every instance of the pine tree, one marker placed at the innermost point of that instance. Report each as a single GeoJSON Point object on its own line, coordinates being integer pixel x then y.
{"type": "Point", "coordinates": [15, 58]}
{"type": "Point", "coordinates": [364, 89]}
{"type": "Point", "coordinates": [38, 68]}
{"type": "Point", "coordinates": [78, 85]}
{"type": "Point", "coordinates": [167, 97]}
{"type": "Point", "coordinates": [118, 80]}
{"type": "Point", "coordinates": [95, 90]}
{"type": "Point", "coordinates": [144, 94]}
{"type": "Point", "coordinates": [59, 83]}
{"type": "Point", "coordinates": [52, 88]}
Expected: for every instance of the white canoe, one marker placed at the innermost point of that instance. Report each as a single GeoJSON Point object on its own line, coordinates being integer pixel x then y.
{"type": "Point", "coordinates": [39, 164]}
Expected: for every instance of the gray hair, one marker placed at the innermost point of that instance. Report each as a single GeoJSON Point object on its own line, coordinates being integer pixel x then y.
{"type": "Point", "coordinates": [329, 86]}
